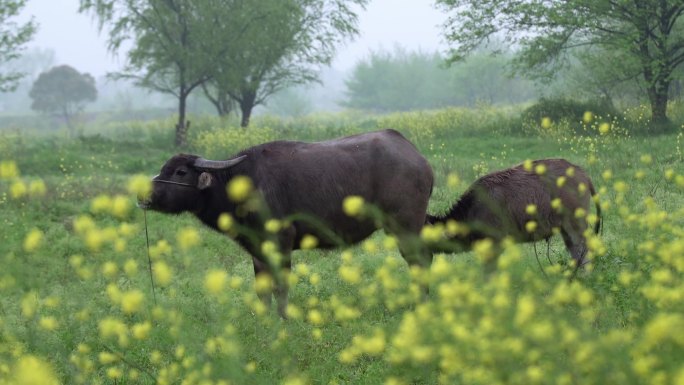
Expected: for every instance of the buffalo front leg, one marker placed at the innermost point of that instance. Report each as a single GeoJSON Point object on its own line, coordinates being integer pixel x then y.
{"type": "Point", "coordinates": [262, 268]}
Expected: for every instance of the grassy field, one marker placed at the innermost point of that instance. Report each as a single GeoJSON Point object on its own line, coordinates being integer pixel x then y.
{"type": "Point", "coordinates": [77, 306]}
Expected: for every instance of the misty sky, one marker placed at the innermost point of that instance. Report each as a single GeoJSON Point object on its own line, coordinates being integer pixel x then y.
{"type": "Point", "coordinates": [413, 24]}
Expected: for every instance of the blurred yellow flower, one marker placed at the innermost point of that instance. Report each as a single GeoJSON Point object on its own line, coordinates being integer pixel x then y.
{"type": "Point", "coordinates": [646, 159]}
{"type": "Point", "coordinates": [131, 267]}
{"type": "Point", "coordinates": [101, 204]}
{"type": "Point", "coordinates": [540, 169]}
{"type": "Point", "coordinates": [546, 122]}
{"type": "Point", "coordinates": [33, 240]}
{"type": "Point", "coordinates": [29, 304]}
{"type": "Point", "coordinates": [31, 370]}
{"type": "Point", "coordinates": [225, 222]}
{"type": "Point", "coordinates": [315, 317]}
{"type": "Point", "coordinates": [187, 238]}
{"type": "Point", "coordinates": [48, 323]}
{"type": "Point", "coordinates": [531, 209]}
{"type": "Point", "coordinates": [141, 330]}
{"type": "Point", "coordinates": [121, 206]}
{"type": "Point", "coordinates": [18, 189]}
{"type": "Point", "coordinates": [37, 188]}
{"type": "Point", "coordinates": [239, 188]}
{"type": "Point", "coordinates": [453, 180]}
{"type": "Point", "coordinates": [309, 242]}
{"type": "Point", "coordinates": [604, 128]}
{"type": "Point", "coordinates": [140, 186]}
{"type": "Point", "coordinates": [83, 223]}
{"type": "Point", "coordinates": [527, 165]}
{"type": "Point", "coordinates": [263, 283]}
{"type": "Point", "coordinates": [109, 269]}
{"type": "Point", "coordinates": [215, 281]}
{"type": "Point", "coordinates": [353, 205]}
{"type": "Point", "coordinates": [9, 170]}
{"type": "Point", "coordinates": [350, 274]}
{"type": "Point", "coordinates": [531, 226]}
{"type": "Point", "coordinates": [587, 117]}
{"type": "Point", "coordinates": [162, 273]}
{"type": "Point", "coordinates": [132, 301]}
{"type": "Point", "coordinates": [273, 225]}
{"type": "Point", "coordinates": [560, 181]}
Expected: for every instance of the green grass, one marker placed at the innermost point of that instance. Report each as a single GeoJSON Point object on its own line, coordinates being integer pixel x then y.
{"type": "Point", "coordinates": [620, 323]}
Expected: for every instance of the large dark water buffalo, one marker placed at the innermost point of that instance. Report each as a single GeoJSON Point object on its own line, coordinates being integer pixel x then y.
{"type": "Point", "coordinates": [310, 180]}
{"type": "Point", "coordinates": [496, 206]}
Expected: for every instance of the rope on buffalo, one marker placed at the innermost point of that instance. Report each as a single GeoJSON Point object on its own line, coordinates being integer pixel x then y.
{"type": "Point", "coordinates": [149, 260]}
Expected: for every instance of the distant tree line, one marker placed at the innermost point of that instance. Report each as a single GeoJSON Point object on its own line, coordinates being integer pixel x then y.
{"type": "Point", "coordinates": [401, 80]}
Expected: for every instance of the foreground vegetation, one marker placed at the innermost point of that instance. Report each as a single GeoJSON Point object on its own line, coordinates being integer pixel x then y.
{"type": "Point", "coordinates": [77, 305]}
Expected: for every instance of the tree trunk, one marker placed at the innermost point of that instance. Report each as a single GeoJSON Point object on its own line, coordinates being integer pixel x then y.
{"type": "Point", "coordinates": [658, 94]}
{"type": "Point", "coordinates": [246, 106]}
{"type": "Point", "coordinates": [182, 126]}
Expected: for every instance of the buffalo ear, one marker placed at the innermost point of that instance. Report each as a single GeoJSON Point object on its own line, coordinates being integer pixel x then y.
{"type": "Point", "coordinates": [205, 181]}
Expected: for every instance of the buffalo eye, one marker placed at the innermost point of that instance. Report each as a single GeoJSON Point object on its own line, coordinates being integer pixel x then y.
{"type": "Point", "coordinates": [181, 172]}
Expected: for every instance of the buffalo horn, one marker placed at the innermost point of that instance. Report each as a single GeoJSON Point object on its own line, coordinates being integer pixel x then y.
{"type": "Point", "coordinates": [217, 164]}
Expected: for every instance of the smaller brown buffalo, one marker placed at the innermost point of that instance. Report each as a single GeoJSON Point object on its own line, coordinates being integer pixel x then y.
{"type": "Point", "coordinates": [526, 204]}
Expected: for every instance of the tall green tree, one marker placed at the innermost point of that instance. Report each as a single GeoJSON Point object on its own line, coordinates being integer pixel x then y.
{"type": "Point", "coordinates": [63, 91]}
{"type": "Point", "coordinates": [648, 33]}
{"type": "Point", "coordinates": [282, 43]}
{"type": "Point", "coordinates": [172, 42]}
{"type": "Point", "coordinates": [13, 37]}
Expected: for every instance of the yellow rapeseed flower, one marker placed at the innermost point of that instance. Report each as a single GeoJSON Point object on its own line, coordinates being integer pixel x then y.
{"type": "Point", "coordinates": [33, 240]}
{"type": "Point", "coordinates": [453, 180]}
{"type": "Point", "coordinates": [48, 323]}
{"type": "Point", "coordinates": [527, 165]}
{"type": "Point", "coordinates": [37, 188]}
{"type": "Point", "coordinates": [215, 281]}
{"type": "Point", "coordinates": [31, 370]}
{"type": "Point", "coordinates": [315, 317]}
{"type": "Point", "coordinates": [187, 238]}
{"type": "Point", "coordinates": [587, 117]}
{"type": "Point", "coordinates": [140, 186]}
{"type": "Point", "coordinates": [121, 206]}
{"type": "Point", "coordinates": [132, 301]}
{"type": "Point", "coordinates": [525, 310]}
{"type": "Point", "coordinates": [604, 128]}
{"type": "Point", "coordinates": [308, 242]}
{"type": "Point", "coordinates": [546, 122]}
{"type": "Point", "coordinates": [263, 283]}
{"type": "Point", "coordinates": [560, 181]}
{"type": "Point", "coordinates": [9, 170]}
{"type": "Point", "coordinates": [141, 330]}
{"type": "Point", "coordinates": [225, 222]}
{"type": "Point", "coordinates": [18, 189]}
{"type": "Point", "coordinates": [353, 205]}
{"type": "Point", "coordinates": [273, 225]}
{"type": "Point", "coordinates": [109, 269]}
{"type": "Point", "coordinates": [131, 267]}
{"type": "Point", "coordinates": [162, 273]}
{"type": "Point", "coordinates": [101, 204]}
{"type": "Point", "coordinates": [350, 274]}
{"type": "Point", "coordinates": [239, 188]}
